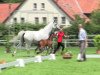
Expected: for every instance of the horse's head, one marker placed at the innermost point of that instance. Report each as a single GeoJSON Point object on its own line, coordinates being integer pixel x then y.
{"type": "Point", "coordinates": [55, 24]}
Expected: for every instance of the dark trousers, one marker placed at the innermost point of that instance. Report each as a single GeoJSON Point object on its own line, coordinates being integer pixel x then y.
{"type": "Point", "coordinates": [58, 46]}
{"type": "Point", "coordinates": [82, 49]}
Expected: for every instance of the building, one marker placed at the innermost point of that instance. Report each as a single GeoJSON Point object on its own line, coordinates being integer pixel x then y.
{"type": "Point", "coordinates": [43, 11]}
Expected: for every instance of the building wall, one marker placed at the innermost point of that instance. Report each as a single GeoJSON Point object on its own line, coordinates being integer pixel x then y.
{"type": "Point", "coordinates": [29, 13]}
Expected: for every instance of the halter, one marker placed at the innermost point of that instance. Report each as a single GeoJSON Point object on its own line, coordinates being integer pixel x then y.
{"type": "Point", "coordinates": [56, 24]}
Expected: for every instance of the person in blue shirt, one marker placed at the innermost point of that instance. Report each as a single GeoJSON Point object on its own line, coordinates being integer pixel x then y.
{"type": "Point", "coordinates": [82, 43]}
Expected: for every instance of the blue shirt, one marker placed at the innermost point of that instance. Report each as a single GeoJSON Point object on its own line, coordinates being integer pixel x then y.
{"type": "Point", "coordinates": [82, 34]}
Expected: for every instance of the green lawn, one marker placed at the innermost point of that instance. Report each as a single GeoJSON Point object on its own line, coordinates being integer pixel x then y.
{"type": "Point", "coordinates": [59, 66]}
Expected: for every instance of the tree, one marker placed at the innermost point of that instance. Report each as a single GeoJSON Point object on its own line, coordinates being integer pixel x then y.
{"type": "Point", "coordinates": [92, 27]}
{"type": "Point", "coordinates": [1, 1]}
{"type": "Point", "coordinates": [95, 17]}
{"type": "Point", "coordinates": [74, 28]}
{"type": "Point", "coordinates": [95, 21]}
{"type": "Point", "coordinates": [10, 1]}
{"type": "Point", "coordinates": [15, 28]}
{"type": "Point", "coordinates": [3, 31]}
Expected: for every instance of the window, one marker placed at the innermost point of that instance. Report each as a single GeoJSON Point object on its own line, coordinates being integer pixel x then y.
{"type": "Point", "coordinates": [36, 20]}
{"type": "Point", "coordinates": [63, 20]}
{"type": "Point", "coordinates": [44, 20]}
{"type": "Point", "coordinates": [42, 6]}
{"type": "Point", "coordinates": [34, 6]}
{"type": "Point", "coordinates": [15, 20]}
{"type": "Point", "coordinates": [56, 19]}
{"type": "Point", "coordinates": [22, 20]}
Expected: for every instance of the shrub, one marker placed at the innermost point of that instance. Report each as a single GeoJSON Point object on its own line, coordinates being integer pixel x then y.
{"type": "Point", "coordinates": [97, 41]}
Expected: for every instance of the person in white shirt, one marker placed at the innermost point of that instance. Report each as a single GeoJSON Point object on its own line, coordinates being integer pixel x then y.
{"type": "Point", "coordinates": [82, 43]}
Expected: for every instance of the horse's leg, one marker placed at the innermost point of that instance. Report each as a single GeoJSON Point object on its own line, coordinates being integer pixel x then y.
{"type": "Point", "coordinates": [38, 46]}
{"type": "Point", "coordinates": [49, 49]}
{"type": "Point", "coordinates": [28, 44]}
{"type": "Point", "coordinates": [41, 46]}
{"type": "Point", "coordinates": [14, 52]}
{"type": "Point", "coordinates": [40, 49]}
{"type": "Point", "coordinates": [16, 45]}
{"type": "Point", "coordinates": [50, 46]}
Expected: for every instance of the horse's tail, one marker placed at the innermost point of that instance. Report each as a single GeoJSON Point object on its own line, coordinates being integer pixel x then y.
{"type": "Point", "coordinates": [21, 37]}
{"type": "Point", "coordinates": [22, 40]}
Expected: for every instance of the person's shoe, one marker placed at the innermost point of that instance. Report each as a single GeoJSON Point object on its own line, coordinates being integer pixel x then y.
{"type": "Point", "coordinates": [84, 57]}
{"type": "Point", "coordinates": [79, 57]}
{"type": "Point", "coordinates": [80, 60]}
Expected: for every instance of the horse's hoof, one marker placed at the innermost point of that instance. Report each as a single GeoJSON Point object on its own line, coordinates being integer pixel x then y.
{"type": "Point", "coordinates": [38, 52]}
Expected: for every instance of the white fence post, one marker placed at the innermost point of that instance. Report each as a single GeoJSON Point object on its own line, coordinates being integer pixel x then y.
{"type": "Point", "coordinates": [38, 59]}
{"type": "Point", "coordinates": [21, 63]}
{"type": "Point", "coordinates": [52, 57]}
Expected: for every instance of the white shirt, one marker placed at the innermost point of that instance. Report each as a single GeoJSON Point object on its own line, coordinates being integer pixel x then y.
{"type": "Point", "coordinates": [82, 34]}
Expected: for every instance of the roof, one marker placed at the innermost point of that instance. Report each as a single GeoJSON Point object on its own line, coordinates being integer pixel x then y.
{"type": "Point", "coordinates": [73, 7]}
{"type": "Point", "coordinates": [6, 9]}
{"type": "Point", "coordinates": [70, 7]}
{"type": "Point", "coordinates": [89, 5]}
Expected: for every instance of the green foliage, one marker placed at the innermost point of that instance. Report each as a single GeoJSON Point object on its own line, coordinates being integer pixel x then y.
{"type": "Point", "coordinates": [25, 26]}
{"type": "Point", "coordinates": [95, 21]}
{"type": "Point", "coordinates": [97, 41]}
{"type": "Point", "coordinates": [73, 30]}
{"type": "Point", "coordinates": [95, 17]}
{"type": "Point", "coordinates": [92, 27]}
{"type": "Point", "coordinates": [1, 1]}
{"type": "Point", "coordinates": [11, 1]}
{"type": "Point", "coordinates": [6, 30]}
{"type": "Point", "coordinates": [8, 45]}
{"type": "Point", "coordinates": [3, 31]}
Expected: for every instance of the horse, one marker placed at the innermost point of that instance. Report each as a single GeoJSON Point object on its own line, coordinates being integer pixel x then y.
{"type": "Point", "coordinates": [45, 43]}
{"type": "Point", "coordinates": [28, 37]}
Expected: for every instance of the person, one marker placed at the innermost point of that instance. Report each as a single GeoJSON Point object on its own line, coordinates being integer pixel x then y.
{"type": "Point", "coordinates": [60, 35]}
{"type": "Point", "coordinates": [82, 43]}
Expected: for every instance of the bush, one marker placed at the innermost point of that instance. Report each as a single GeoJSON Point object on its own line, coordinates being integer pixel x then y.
{"type": "Point", "coordinates": [97, 41]}
{"type": "Point", "coordinates": [25, 26]}
{"type": "Point", "coordinates": [95, 21]}
{"type": "Point", "coordinates": [6, 30]}
{"type": "Point", "coordinates": [3, 31]}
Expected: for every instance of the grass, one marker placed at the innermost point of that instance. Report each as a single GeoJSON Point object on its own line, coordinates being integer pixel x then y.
{"type": "Point", "coordinates": [59, 66]}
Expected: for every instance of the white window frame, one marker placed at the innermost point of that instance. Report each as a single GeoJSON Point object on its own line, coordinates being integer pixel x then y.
{"type": "Point", "coordinates": [34, 6]}
{"type": "Point", "coordinates": [15, 20]}
{"type": "Point", "coordinates": [63, 20]}
{"type": "Point", "coordinates": [56, 19]}
{"type": "Point", "coordinates": [44, 20]}
{"type": "Point", "coordinates": [36, 20]}
{"type": "Point", "coordinates": [22, 20]}
{"type": "Point", "coordinates": [42, 6]}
